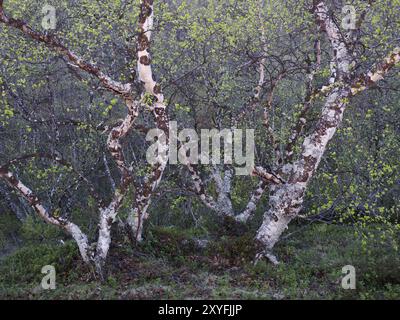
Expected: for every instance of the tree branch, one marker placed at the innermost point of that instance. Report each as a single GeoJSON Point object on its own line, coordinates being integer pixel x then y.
{"type": "Point", "coordinates": [57, 46]}
{"type": "Point", "coordinates": [62, 162]}
{"type": "Point", "coordinates": [376, 74]}
{"type": "Point", "coordinates": [71, 228]}
{"type": "Point", "coordinates": [267, 176]}
{"type": "Point", "coordinates": [143, 197]}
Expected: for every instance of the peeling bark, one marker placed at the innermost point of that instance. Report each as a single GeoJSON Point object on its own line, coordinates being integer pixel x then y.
{"type": "Point", "coordinates": [222, 205]}
{"type": "Point", "coordinates": [73, 230]}
{"type": "Point", "coordinates": [139, 213]}
{"type": "Point", "coordinates": [286, 199]}
{"type": "Point", "coordinates": [254, 200]}
{"type": "Point", "coordinates": [107, 214]}
{"type": "Point", "coordinates": [200, 189]}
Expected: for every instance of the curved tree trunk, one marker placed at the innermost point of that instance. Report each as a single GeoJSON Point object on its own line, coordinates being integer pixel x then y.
{"type": "Point", "coordinates": [286, 199]}
{"type": "Point", "coordinates": [139, 213]}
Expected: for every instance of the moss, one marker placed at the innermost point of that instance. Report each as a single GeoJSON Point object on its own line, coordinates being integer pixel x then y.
{"type": "Point", "coordinates": [170, 243]}
{"type": "Point", "coordinates": [24, 266]}
{"type": "Point", "coordinates": [35, 230]}
{"type": "Point", "coordinates": [232, 251]}
{"type": "Point", "coordinates": [311, 268]}
{"type": "Point", "coordinates": [231, 227]}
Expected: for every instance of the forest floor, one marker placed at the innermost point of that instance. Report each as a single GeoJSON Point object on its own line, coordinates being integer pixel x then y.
{"type": "Point", "coordinates": [168, 265]}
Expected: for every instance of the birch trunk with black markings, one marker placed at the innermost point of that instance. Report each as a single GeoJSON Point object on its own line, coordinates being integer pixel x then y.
{"type": "Point", "coordinates": [139, 214]}
{"type": "Point", "coordinates": [107, 213]}
{"type": "Point", "coordinates": [286, 200]}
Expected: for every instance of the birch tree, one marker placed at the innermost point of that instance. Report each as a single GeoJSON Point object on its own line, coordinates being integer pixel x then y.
{"type": "Point", "coordinates": [108, 210]}
{"type": "Point", "coordinates": [139, 213]}
{"type": "Point", "coordinates": [241, 61]}
{"type": "Point", "coordinates": [292, 171]}
{"type": "Point", "coordinates": [286, 199]}
{"type": "Point", "coordinates": [222, 176]}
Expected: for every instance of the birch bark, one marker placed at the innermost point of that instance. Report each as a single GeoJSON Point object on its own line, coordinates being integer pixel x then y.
{"type": "Point", "coordinates": [286, 200]}
{"type": "Point", "coordinates": [139, 214]}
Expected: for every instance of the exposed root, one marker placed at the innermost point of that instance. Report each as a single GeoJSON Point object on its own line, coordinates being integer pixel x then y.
{"type": "Point", "coordinates": [266, 254]}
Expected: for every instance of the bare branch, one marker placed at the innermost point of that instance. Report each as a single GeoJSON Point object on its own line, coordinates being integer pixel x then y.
{"type": "Point", "coordinates": [57, 46]}
{"type": "Point", "coordinates": [62, 162]}
{"type": "Point", "coordinates": [200, 189]}
{"type": "Point", "coordinates": [71, 228]}
{"type": "Point", "coordinates": [376, 74]}
{"type": "Point", "coordinates": [267, 176]}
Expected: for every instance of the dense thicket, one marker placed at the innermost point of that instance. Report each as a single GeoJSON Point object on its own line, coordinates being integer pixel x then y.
{"type": "Point", "coordinates": [274, 66]}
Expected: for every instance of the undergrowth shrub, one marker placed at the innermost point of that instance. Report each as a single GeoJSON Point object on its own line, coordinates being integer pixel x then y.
{"type": "Point", "coordinates": [24, 266]}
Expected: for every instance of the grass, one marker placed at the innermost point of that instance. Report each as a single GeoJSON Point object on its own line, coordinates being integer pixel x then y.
{"type": "Point", "coordinates": [169, 265]}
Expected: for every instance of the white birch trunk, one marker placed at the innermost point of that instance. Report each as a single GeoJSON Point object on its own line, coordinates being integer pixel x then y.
{"type": "Point", "coordinates": [72, 229]}
{"type": "Point", "coordinates": [286, 200]}
{"type": "Point", "coordinates": [139, 214]}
